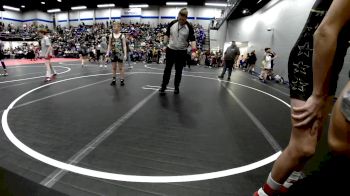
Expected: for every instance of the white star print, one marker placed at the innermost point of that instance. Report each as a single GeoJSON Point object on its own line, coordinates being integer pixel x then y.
{"type": "Point", "coordinates": [305, 50]}
{"type": "Point", "coordinates": [308, 31]}
{"type": "Point", "coordinates": [300, 68]}
{"type": "Point", "coordinates": [299, 85]}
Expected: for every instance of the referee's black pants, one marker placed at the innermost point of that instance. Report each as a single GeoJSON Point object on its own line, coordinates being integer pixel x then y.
{"type": "Point", "coordinates": [177, 57]}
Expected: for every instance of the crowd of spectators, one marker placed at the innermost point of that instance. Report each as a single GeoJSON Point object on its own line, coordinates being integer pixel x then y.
{"type": "Point", "coordinates": [144, 41]}
{"type": "Point", "coordinates": [23, 32]}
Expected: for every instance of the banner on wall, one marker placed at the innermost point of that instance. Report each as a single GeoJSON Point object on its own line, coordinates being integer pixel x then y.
{"type": "Point", "coordinates": [132, 12]}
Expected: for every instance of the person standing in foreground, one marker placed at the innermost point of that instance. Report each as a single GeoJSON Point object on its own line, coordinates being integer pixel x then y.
{"type": "Point", "coordinates": [117, 46]}
{"type": "Point", "coordinates": [46, 53]}
{"type": "Point", "coordinates": [179, 33]}
{"type": "Point", "coordinates": [331, 43]}
{"type": "Point", "coordinates": [314, 66]}
{"type": "Point", "coordinates": [230, 57]}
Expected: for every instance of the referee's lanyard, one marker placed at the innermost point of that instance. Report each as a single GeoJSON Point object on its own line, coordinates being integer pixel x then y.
{"type": "Point", "coordinates": [178, 29]}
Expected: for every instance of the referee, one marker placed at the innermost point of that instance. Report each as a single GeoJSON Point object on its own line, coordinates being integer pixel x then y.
{"type": "Point", "coordinates": [179, 33]}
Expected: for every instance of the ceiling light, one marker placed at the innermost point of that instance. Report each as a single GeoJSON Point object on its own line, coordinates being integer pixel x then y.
{"type": "Point", "coordinates": [106, 5]}
{"type": "Point", "coordinates": [59, 1]}
{"type": "Point", "coordinates": [43, 2]}
{"type": "Point", "coordinates": [78, 8]}
{"type": "Point", "coordinates": [11, 8]}
{"type": "Point", "coordinates": [258, 1]}
{"type": "Point", "coordinates": [216, 4]}
{"type": "Point", "coordinates": [138, 6]}
{"type": "Point", "coordinates": [176, 3]}
{"type": "Point", "coordinates": [23, 6]}
{"type": "Point", "coordinates": [245, 11]}
{"type": "Point", "coordinates": [53, 10]}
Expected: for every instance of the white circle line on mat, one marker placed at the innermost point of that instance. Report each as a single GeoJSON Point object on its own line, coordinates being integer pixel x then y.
{"type": "Point", "coordinates": [123, 177]}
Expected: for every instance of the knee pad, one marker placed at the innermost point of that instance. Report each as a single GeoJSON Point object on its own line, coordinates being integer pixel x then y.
{"type": "Point", "coordinates": [345, 106]}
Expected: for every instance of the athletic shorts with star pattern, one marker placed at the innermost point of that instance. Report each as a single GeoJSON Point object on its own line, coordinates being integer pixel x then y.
{"type": "Point", "coordinates": [300, 60]}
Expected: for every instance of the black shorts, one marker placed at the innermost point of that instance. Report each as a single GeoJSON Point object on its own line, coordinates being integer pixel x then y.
{"type": "Point", "coordinates": [117, 58]}
{"type": "Point", "coordinates": [330, 179]}
{"type": "Point", "coordinates": [300, 60]}
{"type": "Point", "coordinates": [229, 63]}
{"type": "Point", "coordinates": [2, 56]}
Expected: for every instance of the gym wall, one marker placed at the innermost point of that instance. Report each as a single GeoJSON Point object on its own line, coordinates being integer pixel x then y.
{"type": "Point", "coordinates": [40, 18]}
{"type": "Point", "coordinates": [152, 15]}
{"type": "Point", "coordinates": [19, 18]}
{"type": "Point", "coordinates": [218, 37]}
{"type": "Point", "coordinates": [8, 17]}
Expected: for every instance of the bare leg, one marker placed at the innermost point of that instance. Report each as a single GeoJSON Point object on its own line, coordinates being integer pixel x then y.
{"type": "Point", "coordinates": [114, 69]}
{"type": "Point", "coordinates": [121, 70]}
{"type": "Point", "coordinates": [53, 72]}
{"type": "Point", "coordinates": [301, 147]}
{"type": "Point", "coordinates": [339, 129]}
{"type": "Point", "coordinates": [114, 73]}
{"type": "Point", "coordinates": [82, 60]}
{"type": "Point", "coordinates": [48, 70]}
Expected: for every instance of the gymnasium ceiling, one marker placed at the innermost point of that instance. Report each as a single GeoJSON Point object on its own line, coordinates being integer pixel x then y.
{"type": "Point", "coordinates": [64, 5]}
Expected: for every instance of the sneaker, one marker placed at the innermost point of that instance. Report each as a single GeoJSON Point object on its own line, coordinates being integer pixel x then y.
{"type": "Point", "coordinates": [260, 192]}
{"type": "Point", "coordinates": [53, 77]}
{"type": "Point", "coordinates": [221, 77]}
{"type": "Point", "coordinates": [292, 179]}
{"type": "Point", "coordinates": [47, 79]}
{"type": "Point", "coordinates": [101, 66]}
{"type": "Point", "coordinates": [228, 78]}
{"type": "Point", "coordinates": [5, 74]}
{"type": "Point", "coordinates": [266, 190]}
{"type": "Point", "coordinates": [283, 190]}
{"type": "Point", "coordinates": [162, 91]}
{"type": "Point", "coordinates": [176, 91]}
{"type": "Point", "coordinates": [113, 82]}
{"type": "Point", "coordinates": [130, 67]}
{"type": "Point", "coordinates": [122, 83]}
{"type": "Point", "coordinates": [105, 66]}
